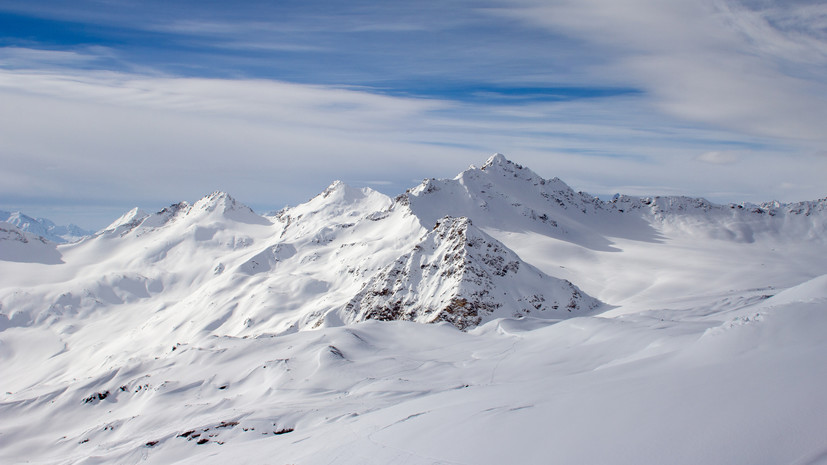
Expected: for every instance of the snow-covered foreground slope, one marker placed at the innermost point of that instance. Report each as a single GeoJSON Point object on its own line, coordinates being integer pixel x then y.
{"type": "Point", "coordinates": [206, 333]}
{"type": "Point", "coordinates": [745, 387]}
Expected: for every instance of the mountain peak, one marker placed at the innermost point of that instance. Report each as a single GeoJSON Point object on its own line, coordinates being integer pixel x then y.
{"type": "Point", "coordinates": [340, 200]}
{"type": "Point", "coordinates": [127, 221]}
{"type": "Point", "coordinates": [218, 200]}
{"type": "Point", "coordinates": [499, 164]}
{"type": "Point", "coordinates": [215, 206]}
{"type": "Point", "coordinates": [497, 159]}
{"type": "Point", "coordinates": [450, 276]}
{"type": "Point", "coordinates": [227, 207]}
{"type": "Point", "coordinates": [339, 189]}
{"type": "Point", "coordinates": [498, 194]}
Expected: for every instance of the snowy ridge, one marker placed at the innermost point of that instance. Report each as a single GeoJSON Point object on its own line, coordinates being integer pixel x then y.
{"type": "Point", "coordinates": [216, 207]}
{"type": "Point", "coordinates": [127, 222]}
{"type": "Point", "coordinates": [228, 208]}
{"type": "Point", "coordinates": [337, 204]}
{"type": "Point", "coordinates": [736, 222]}
{"type": "Point", "coordinates": [504, 196]}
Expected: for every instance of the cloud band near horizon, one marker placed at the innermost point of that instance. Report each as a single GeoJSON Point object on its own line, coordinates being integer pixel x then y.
{"type": "Point", "coordinates": [162, 103]}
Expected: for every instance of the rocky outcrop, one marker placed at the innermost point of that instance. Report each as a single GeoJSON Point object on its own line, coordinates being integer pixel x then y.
{"type": "Point", "coordinates": [463, 276]}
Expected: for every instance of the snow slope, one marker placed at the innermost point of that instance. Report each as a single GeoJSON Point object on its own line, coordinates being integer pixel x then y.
{"type": "Point", "coordinates": [205, 333]}
{"type": "Point", "coordinates": [22, 246]}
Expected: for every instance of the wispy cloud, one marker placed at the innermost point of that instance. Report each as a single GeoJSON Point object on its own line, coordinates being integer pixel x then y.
{"type": "Point", "coordinates": [133, 138]}
{"type": "Point", "coordinates": [29, 58]}
{"type": "Point", "coordinates": [717, 62]}
{"type": "Point", "coordinates": [716, 157]}
{"type": "Point", "coordinates": [273, 100]}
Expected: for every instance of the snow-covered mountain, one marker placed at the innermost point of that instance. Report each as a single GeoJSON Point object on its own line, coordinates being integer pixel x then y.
{"type": "Point", "coordinates": [21, 246]}
{"type": "Point", "coordinates": [672, 329]}
{"type": "Point", "coordinates": [44, 227]}
{"type": "Point", "coordinates": [463, 276]}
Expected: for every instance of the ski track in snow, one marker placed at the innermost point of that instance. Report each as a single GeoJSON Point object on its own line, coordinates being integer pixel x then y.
{"type": "Point", "coordinates": [638, 330]}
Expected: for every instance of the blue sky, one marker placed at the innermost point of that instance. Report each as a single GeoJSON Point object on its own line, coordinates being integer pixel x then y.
{"type": "Point", "coordinates": [110, 104]}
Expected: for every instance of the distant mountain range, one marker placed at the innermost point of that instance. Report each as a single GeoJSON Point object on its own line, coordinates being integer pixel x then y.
{"type": "Point", "coordinates": [44, 228]}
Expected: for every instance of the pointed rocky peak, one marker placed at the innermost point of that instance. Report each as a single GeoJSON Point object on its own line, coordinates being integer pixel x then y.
{"type": "Point", "coordinates": [224, 205]}
{"type": "Point", "coordinates": [497, 159]}
{"type": "Point", "coordinates": [127, 222]}
{"type": "Point", "coordinates": [459, 274]}
{"type": "Point", "coordinates": [166, 215]}
{"type": "Point", "coordinates": [339, 191]}
{"type": "Point", "coordinates": [218, 206]}
{"type": "Point", "coordinates": [218, 200]}
{"type": "Point", "coordinates": [503, 176]}
{"type": "Point", "coordinates": [498, 176]}
{"type": "Point", "coordinates": [499, 194]}
{"type": "Point", "coordinates": [335, 187]}
{"type": "Point", "coordinates": [338, 203]}
{"type": "Point", "coordinates": [498, 163]}
{"type": "Point", "coordinates": [137, 218]}
{"type": "Point", "coordinates": [427, 186]}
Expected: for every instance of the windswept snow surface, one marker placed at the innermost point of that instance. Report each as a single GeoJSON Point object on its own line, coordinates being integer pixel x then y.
{"type": "Point", "coordinates": [565, 329]}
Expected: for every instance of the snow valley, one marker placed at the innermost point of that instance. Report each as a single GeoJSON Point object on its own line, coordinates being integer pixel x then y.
{"type": "Point", "coordinates": [496, 317]}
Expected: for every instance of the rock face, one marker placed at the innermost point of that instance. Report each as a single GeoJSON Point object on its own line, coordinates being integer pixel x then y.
{"type": "Point", "coordinates": [463, 276]}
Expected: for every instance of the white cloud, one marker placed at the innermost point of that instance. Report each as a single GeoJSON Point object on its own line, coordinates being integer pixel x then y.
{"type": "Point", "coordinates": [77, 137]}
{"type": "Point", "coordinates": [718, 157]}
{"type": "Point", "coordinates": [712, 62]}
{"type": "Point", "coordinates": [28, 58]}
